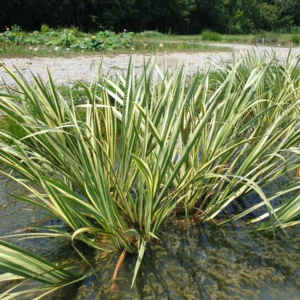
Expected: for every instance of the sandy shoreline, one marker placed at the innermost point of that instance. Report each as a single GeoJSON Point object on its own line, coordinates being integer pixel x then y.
{"type": "Point", "coordinates": [66, 71]}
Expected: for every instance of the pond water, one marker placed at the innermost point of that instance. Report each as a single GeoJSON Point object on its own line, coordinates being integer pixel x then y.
{"type": "Point", "coordinates": [188, 262]}
{"type": "Point", "coordinates": [15, 216]}
{"type": "Point", "coordinates": [205, 262]}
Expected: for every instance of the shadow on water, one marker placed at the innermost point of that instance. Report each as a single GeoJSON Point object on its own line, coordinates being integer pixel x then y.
{"type": "Point", "coordinates": [188, 262]}
{"type": "Point", "coordinates": [205, 262]}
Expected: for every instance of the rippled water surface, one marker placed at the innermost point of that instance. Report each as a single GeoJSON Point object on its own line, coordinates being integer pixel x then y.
{"type": "Point", "coordinates": [15, 216]}
{"type": "Point", "coordinates": [188, 262]}
{"type": "Point", "coordinates": [205, 262]}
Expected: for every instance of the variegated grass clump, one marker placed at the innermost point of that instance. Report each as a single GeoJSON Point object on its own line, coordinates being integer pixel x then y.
{"type": "Point", "coordinates": [143, 147]}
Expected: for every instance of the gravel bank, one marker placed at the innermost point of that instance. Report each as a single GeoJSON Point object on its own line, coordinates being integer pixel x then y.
{"type": "Point", "coordinates": [66, 71]}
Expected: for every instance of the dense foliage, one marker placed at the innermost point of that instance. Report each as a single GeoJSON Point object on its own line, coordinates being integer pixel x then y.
{"type": "Point", "coordinates": [69, 38]}
{"type": "Point", "coordinates": [137, 150]}
{"type": "Point", "coordinates": [176, 16]}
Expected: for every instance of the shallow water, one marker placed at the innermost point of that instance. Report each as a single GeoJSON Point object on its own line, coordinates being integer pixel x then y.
{"type": "Point", "coordinates": [188, 262]}
{"type": "Point", "coordinates": [15, 216]}
{"type": "Point", "coordinates": [205, 262]}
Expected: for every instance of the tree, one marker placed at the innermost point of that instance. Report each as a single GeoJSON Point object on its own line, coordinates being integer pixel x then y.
{"type": "Point", "coordinates": [180, 16]}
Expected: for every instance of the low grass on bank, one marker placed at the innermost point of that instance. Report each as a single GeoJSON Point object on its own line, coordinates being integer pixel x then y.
{"type": "Point", "coordinates": [146, 47]}
{"type": "Point", "coordinates": [268, 38]}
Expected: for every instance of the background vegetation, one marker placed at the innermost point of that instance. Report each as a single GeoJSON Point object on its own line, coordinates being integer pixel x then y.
{"type": "Point", "coordinates": [167, 16]}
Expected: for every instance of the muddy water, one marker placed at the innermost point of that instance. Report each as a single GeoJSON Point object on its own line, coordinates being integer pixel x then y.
{"type": "Point", "coordinates": [188, 262]}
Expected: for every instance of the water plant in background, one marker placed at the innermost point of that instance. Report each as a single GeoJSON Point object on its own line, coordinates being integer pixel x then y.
{"type": "Point", "coordinates": [66, 39]}
{"type": "Point", "coordinates": [105, 40]}
{"type": "Point", "coordinates": [17, 30]}
{"type": "Point", "coordinates": [7, 37]}
{"type": "Point", "coordinates": [296, 39]}
{"type": "Point", "coordinates": [208, 35]}
{"type": "Point", "coordinates": [70, 38]}
{"type": "Point", "coordinates": [151, 34]}
{"type": "Point", "coordinates": [139, 148]}
{"type": "Point", "coordinates": [45, 28]}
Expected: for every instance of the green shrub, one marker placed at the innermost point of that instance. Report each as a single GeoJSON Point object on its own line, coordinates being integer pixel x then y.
{"type": "Point", "coordinates": [52, 33]}
{"type": "Point", "coordinates": [16, 28]}
{"type": "Point", "coordinates": [208, 35]}
{"type": "Point", "coordinates": [267, 38]}
{"type": "Point", "coordinates": [289, 29]}
{"type": "Point", "coordinates": [105, 40]}
{"type": "Point", "coordinates": [67, 39]}
{"type": "Point", "coordinates": [296, 39]}
{"type": "Point", "coordinates": [151, 34]}
{"type": "Point", "coordinates": [8, 37]}
{"type": "Point", "coordinates": [70, 38]}
{"type": "Point", "coordinates": [45, 28]}
{"type": "Point", "coordinates": [76, 32]}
